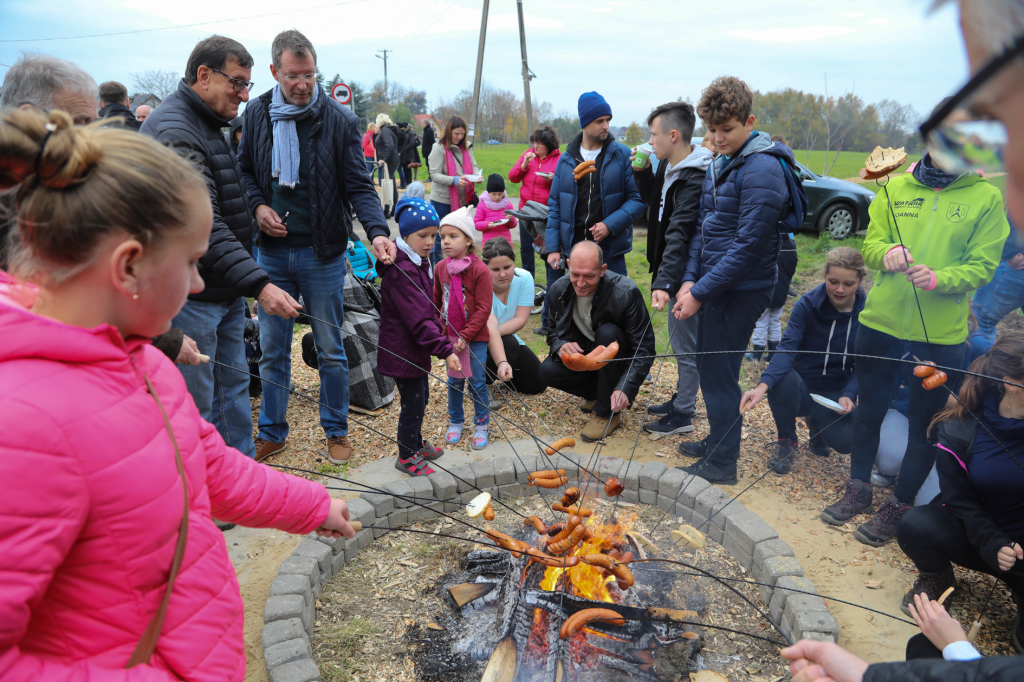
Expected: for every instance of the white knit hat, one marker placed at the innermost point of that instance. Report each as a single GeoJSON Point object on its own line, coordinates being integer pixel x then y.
{"type": "Point", "coordinates": [463, 220]}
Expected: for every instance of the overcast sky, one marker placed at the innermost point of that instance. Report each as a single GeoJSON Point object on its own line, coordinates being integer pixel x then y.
{"type": "Point", "coordinates": [637, 54]}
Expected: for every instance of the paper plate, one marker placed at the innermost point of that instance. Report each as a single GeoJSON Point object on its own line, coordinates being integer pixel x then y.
{"type": "Point", "coordinates": [546, 175]}
{"type": "Point", "coordinates": [474, 178]}
{"type": "Point", "coordinates": [825, 402]}
{"type": "Point", "coordinates": [501, 222]}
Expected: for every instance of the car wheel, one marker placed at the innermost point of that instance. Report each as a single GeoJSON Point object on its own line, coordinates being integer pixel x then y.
{"type": "Point", "coordinates": [539, 293]}
{"type": "Point", "coordinates": [839, 220]}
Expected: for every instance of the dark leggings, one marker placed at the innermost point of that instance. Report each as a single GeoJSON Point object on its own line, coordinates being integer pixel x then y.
{"type": "Point", "coordinates": [525, 367]}
{"type": "Point", "coordinates": [790, 398]}
{"type": "Point", "coordinates": [874, 379]}
{"type": "Point", "coordinates": [934, 537]}
{"type": "Point", "coordinates": [414, 394]}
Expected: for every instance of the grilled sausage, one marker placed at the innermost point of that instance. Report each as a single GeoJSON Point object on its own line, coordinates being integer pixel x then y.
{"type": "Point", "coordinates": [613, 487]}
{"type": "Point", "coordinates": [538, 524]}
{"type": "Point", "coordinates": [578, 620]}
{"type": "Point", "coordinates": [559, 444]}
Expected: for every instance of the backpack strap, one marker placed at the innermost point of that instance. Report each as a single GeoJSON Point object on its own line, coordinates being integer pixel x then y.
{"type": "Point", "coordinates": [147, 645]}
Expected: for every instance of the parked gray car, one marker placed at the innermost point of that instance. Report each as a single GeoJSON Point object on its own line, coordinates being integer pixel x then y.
{"type": "Point", "coordinates": [837, 206]}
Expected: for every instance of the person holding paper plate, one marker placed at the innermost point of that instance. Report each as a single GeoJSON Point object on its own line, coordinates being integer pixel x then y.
{"type": "Point", "coordinates": [822, 388]}
{"type": "Point", "coordinates": [453, 174]}
{"type": "Point", "coordinates": [490, 219]}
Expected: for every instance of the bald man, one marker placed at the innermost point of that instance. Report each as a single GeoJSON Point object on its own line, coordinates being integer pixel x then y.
{"type": "Point", "coordinates": [593, 307]}
{"type": "Point", "coordinates": [142, 112]}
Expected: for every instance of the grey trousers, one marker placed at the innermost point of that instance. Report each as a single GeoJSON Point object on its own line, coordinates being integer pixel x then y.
{"type": "Point", "coordinates": [683, 336]}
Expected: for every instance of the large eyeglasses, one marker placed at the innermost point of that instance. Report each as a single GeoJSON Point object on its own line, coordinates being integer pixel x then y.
{"type": "Point", "coordinates": [959, 142]}
{"type": "Point", "coordinates": [294, 77]}
{"type": "Point", "coordinates": [237, 84]}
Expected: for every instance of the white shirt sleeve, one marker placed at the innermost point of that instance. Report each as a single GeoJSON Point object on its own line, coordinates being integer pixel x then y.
{"type": "Point", "coordinates": [960, 651]}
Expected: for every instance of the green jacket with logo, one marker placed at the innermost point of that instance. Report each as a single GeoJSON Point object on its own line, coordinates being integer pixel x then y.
{"type": "Point", "coordinates": [957, 231]}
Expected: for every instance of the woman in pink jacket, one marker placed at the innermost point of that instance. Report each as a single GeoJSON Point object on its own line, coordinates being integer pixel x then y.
{"type": "Point", "coordinates": [535, 169]}
{"type": "Point", "coordinates": [108, 476]}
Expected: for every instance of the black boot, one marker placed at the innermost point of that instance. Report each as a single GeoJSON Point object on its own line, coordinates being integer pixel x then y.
{"type": "Point", "coordinates": [755, 354]}
{"type": "Point", "coordinates": [781, 461]}
{"type": "Point", "coordinates": [772, 345]}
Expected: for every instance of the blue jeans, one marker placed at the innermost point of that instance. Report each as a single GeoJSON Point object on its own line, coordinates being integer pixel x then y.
{"type": "Point", "coordinates": [477, 389]}
{"type": "Point", "coordinates": [996, 299]}
{"type": "Point", "coordinates": [321, 284]}
{"type": "Point", "coordinates": [221, 394]}
{"type": "Point", "coordinates": [436, 255]}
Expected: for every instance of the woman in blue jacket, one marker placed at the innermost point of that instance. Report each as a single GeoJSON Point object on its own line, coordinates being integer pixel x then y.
{"type": "Point", "coordinates": [824, 319]}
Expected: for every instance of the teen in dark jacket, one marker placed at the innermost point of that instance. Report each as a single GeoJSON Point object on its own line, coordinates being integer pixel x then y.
{"type": "Point", "coordinates": [428, 140]}
{"type": "Point", "coordinates": [977, 520]}
{"type": "Point", "coordinates": [824, 320]}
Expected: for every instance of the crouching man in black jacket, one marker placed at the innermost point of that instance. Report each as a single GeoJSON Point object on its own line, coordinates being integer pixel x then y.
{"type": "Point", "coordinates": [589, 308]}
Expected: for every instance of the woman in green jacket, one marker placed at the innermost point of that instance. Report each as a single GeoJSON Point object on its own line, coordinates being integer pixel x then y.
{"type": "Point", "coordinates": [953, 228]}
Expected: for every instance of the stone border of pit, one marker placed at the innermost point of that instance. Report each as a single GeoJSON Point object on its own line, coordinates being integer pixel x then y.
{"type": "Point", "coordinates": [290, 611]}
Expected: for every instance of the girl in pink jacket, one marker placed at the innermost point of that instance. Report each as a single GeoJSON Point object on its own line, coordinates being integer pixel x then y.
{"type": "Point", "coordinates": [105, 465]}
{"type": "Point", "coordinates": [490, 219]}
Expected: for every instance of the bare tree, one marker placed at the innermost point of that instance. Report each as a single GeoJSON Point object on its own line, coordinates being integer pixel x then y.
{"type": "Point", "coordinates": [159, 83]}
{"type": "Point", "coordinates": [897, 121]}
{"type": "Point", "coordinates": [839, 116]}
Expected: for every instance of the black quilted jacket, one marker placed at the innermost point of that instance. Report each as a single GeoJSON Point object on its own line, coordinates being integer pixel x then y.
{"type": "Point", "coordinates": [337, 172]}
{"type": "Point", "coordinates": [994, 669]}
{"type": "Point", "coordinates": [185, 122]}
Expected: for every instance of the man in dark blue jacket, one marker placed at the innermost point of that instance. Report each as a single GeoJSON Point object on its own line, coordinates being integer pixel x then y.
{"type": "Point", "coordinates": [732, 264]}
{"type": "Point", "coordinates": [302, 158]}
{"type": "Point", "coordinates": [602, 204]}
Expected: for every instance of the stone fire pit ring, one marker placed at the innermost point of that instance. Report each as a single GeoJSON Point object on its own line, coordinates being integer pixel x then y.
{"type": "Point", "coordinates": [289, 614]}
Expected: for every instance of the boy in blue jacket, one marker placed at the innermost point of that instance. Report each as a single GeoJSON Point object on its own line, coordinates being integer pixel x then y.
{"type": "Point", "coordinates": [749, 199]}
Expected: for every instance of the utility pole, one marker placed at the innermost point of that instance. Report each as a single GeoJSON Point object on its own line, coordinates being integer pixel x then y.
{"type": "Point", "coordinates": [479, 74]}
{"type": "Point", "coordinates": [385, 58]}
{"type": "Point", "coordinates": [527, 74]}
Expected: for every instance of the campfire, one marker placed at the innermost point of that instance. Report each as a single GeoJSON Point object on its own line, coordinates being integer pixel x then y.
{"type": "Point", "coordinates": [563, 603]}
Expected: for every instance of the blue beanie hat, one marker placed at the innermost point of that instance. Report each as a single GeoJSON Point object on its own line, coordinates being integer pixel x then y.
{"type": "Point", "coordinates": [413, 214]}
{"type": "Point", "coordinates": [592, 106]}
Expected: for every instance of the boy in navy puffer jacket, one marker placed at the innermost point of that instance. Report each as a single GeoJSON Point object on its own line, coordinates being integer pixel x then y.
{"type": "Point", "coordinates": [749, 199]}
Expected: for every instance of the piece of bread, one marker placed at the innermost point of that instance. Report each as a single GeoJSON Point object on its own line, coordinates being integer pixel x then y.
{"type": "Point", "coordinates": [881, 162]}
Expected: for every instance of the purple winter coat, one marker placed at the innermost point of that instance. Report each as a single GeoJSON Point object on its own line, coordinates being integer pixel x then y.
{"type": "Point", "coordinates": [409, 325]}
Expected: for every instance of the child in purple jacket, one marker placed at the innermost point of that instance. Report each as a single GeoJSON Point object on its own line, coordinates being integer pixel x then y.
{"type": "Point", "coordinates": [410, 331]}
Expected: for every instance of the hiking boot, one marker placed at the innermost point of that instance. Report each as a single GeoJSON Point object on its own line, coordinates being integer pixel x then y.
{"type": "Point", "coordinates": [595, 428]}
{"type": "Point", "coordinates": [338, 449]}
{"type": "Point", "coordinates": [587, 406]}
{"type": "Point", "coordinates": [882, 526]}
{"type": "Point", "coordinates": [264, 448]}
{"type": "Point", "coordinates": [693, 448]}
{"type": "Point", "coordinates": [712, 473]}
{"type": "Point", "coordinates": [671, 423]}
{"type": "Point", "coordinates": [664, 408]}
{"type": "Point", "coordinates": [819, 448]}
{"type": "Point", "coordinates": [755, 354]}
{"type": "Point", "coordinates": [931, 585]}
{"type": "Point", "coordinates": [781, 460]}
{"type": "Point", "coordinates": [857, 497]}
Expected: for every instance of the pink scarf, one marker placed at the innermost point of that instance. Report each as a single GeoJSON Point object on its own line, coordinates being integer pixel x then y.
{"type": "Point", "coordinates": [467, 169]}
{"type": "Point", "coordinates": [500, 206]}
{"type": "Point", "coordinates": [455, 312]}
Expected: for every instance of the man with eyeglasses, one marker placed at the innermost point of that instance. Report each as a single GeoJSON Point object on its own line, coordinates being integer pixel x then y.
{"type": "Point", "coordinates": [216, 82]}
{"type": "Point", "coordinates": [302, 158]}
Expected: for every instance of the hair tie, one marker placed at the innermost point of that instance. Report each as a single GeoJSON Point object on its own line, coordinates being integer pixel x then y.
{"type": "Point", "coordinates": [50, 128]}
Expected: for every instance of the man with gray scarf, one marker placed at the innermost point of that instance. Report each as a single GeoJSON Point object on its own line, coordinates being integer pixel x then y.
{"type": "Point", "coordinates": [302, 159]}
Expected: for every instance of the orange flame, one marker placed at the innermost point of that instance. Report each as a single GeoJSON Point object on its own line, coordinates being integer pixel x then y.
{"type": "Point", "coordinates": [587, 581]}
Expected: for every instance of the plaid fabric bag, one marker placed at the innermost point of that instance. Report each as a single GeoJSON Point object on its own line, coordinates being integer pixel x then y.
{"type": "Point", "coordinates": [367, 389]}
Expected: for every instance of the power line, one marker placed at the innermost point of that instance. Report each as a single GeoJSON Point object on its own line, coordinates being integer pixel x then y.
{"type": "Point", "coordinates": [201, 23]}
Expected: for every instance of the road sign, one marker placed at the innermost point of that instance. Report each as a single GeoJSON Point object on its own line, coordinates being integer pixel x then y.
{"type": "Point", "coordinates": [342, 94]}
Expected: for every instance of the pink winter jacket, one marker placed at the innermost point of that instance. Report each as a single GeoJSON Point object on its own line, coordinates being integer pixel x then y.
{"type": "Point", "coordinates": [90, 502]}
{"type": "Point", "coordinates": [534, 187]}
{"type": "Point", "coordinates": [487, 212]}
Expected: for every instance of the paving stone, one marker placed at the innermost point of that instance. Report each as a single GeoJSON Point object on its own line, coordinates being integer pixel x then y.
{"type": "Point", "coordinates": [308, 617]}
{"type": "Point", "coordinates": [337, 563]}
{"type": "Point", "coordinates": [364, 537]}
{"type": "Point", "coordinates": [509, 492]}
{"type": "Point", "coordinates": [813, 621]}
{"type": "Point", "coordinates": [401, 492]}
{"type": "Point", "coordinates": [777, 547]}
{"type": "Point", "coordinates": [352, 548]}
{"type": "Point", "coordinates": [337, 544]}
{"type": "Point", "coordinates": [293, 584]}
{"type": "Point", "coordinates": [771, 570]}
{"type": "Point", "coordinates": [296, 671]}
{"type": "Point", "coordinates": [700, 522]}
{"type": "Point", "coordinates": [464, 477]}
{"type": "Point", "coordinates": [670, 483]}
{"type": "Point", "coordinates": [382, 504]}
{"type": "Point", "coordinates": [422, 489]}
{"type": "Point", "coordinates": [783, 589]}
{"type": "Point", "coordinates": [710, 500]}
{"type": "Point", "coordinates": [631, 496]}
{"type": "Point", "coordinates": [819, 637]}
{"type": "Point", "coordinates": [504, 471]}
{"type": "Point", "coordinates": [667, 503]}
{"type": "Point", "coordinates": [315, 550]}
{"type": "Point", "coordinates": [691, 489]}
{"type": "Point", "coordinates": [282, 631]}
{"type": "Point", "coordinates": [422, 513]}
{"type": "Point", "coordinates": [749, 529]}
{"type": "Point", "coordinates": [283, 607]}
{"type": "Point", "coordinates": [631, 476]}
{"type": "Point", "coordinates": [525, 465]}
{"type": "Point", "coordinates": [301, 565]}
{"type": "Point", "coordinates": [285, 652]}
{"type": "Point", "coordinates": [362, 511]}
{"type": "Point", "coordinates": [452, 506]}
{"type": "Point", "coordinates": [444, 484]}
{"type": "Point", "coordinates": [610, 467]}
{"type": "Point", "coordinates": [484, 472]}
{"type": "Point", "coordinates": [396, 519]}
{"type": "Point", "coordinates": [569, 461]}
{"type": "Point", "coordinates": [650, 475]}
{"type": "Point", "coordinates": [648, 496]}
{"type": "Point", "coordinates": [467, 497]}
{"type": "Point", "coordinates": [801, 603]}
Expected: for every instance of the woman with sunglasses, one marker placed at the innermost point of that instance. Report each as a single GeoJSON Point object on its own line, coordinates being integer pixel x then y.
{"type": "Point", "coordinates": [934, 237]}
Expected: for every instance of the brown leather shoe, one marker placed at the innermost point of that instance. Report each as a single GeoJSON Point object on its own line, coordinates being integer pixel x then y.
{"type": "Point", "coordinates": [264, 449]}
{"type": "Point", "coordinates": [338, 449]}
